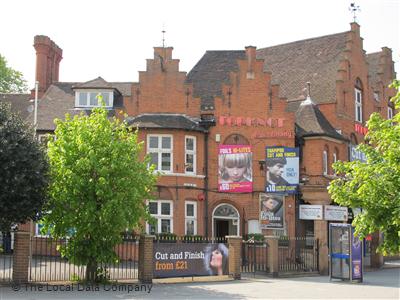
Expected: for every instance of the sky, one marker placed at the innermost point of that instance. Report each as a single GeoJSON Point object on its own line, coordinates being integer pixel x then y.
{"type": "Point", "coordinates": [113, 39]}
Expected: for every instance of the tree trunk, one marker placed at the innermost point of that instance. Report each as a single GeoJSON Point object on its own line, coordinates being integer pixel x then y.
{"type": "Point", "coordinates": [91, 269]}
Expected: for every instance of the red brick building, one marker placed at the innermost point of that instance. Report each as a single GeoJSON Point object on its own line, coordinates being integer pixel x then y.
{"type": "Point", "coordinates": [255, 98]}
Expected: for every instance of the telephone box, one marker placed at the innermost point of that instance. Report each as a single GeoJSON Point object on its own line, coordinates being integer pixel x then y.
{"type": "Point", "coordinates": [345, 253]}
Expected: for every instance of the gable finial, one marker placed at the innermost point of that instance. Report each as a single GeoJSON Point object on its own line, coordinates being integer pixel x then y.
{"type": "Point", "coordinates": [354, 9]}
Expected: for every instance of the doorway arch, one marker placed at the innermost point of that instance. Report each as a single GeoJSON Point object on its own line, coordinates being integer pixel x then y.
{"type": "Point", "coordinates": [225, 220]}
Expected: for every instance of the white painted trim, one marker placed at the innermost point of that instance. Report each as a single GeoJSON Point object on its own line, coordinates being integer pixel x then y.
{"type": "Point", "coordinates": [225, 218]}
{"type": "Point", "coordinates": [194, 152]}
{"type": "Point", "coordinates": [192, 218]}
{"type": "Point", "coordinates": [160, 150]}
{"type": "Point", "coordinates": [87, 92]}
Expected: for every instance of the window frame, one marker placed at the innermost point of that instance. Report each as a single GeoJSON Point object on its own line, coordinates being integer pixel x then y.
{"type": "Point", "coordinates": [159, 217]}
{"type": "Point", "coordinates": [88, 92]}
{"type": "Point", "coordinates": [193, 152]}
{"type": "Point", "coordinates": [358, 103]}
{"type": "Point", "coordinates": [191, 218]}
{"type": "Point", "coordinates": [160, 151]}
{"type": "Point", "coordinates": [390, 113]}
{"type": "Point", "coordinates": [325, 162]}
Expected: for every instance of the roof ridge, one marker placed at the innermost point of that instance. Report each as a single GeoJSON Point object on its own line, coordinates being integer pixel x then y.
{"type": "Point", "coordinates": [305, 40]}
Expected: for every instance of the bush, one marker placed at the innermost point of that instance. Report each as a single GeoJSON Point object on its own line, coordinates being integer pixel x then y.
{"type": "Point", "coordinates": [256, 237]}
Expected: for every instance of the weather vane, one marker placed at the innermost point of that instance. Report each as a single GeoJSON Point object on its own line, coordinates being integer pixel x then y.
{"type": "Point", "coordinates": [163, 37]}
{"type": "Point", "coordinates": [354, 9]}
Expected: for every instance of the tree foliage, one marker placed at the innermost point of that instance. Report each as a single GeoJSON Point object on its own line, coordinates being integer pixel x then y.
{"type": "Point", "coordinates": [374, 186]}
{"type": "Point", "coordinates": [98, 187]}
{"type": "Point", "coordinates": [23, 171]}
{"type": "Point", "coordinates": [11, 81]}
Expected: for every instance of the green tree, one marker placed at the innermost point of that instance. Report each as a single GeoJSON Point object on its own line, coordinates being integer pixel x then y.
{"type": "Point", "coordinates": [374, 186]}
{"type": "Point", "coordinates": [98, 187]}
{"type": "Point", "coordinates": [23, 171]}
{"type": "Point", "coordinates": [11, 81]}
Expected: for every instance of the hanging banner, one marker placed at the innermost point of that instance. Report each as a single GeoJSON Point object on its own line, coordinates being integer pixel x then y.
{"type": "Point", "coordinates": [189, 259]}
{"type": "Point", "coordinates": [282, 174]}
{"type": "Point", "coordinates": [235, 170]}
{"type": "Point", "coordinates": [271, 211]}
{"type": "Point", "coordinates": [310, 212]}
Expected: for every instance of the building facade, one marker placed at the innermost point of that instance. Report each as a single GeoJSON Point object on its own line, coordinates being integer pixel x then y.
{"type": "Point", "coordinates": [214, 132]}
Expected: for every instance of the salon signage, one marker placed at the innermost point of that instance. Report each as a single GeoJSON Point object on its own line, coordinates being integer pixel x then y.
{"type": "Point", "coordinates": [189, 259]}
{"type": "Point", "coordinates": [251, 122]}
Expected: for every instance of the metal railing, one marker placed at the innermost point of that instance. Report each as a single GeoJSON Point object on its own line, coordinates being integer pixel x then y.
{"type": "Point", "coordinates": [6, 256]}
{"type": "Point", "coordinates": [254, 257]}
{"type": "Point", "coordinates": [47, 264]}
{"type": "Point", "coordinates": [298, 254]}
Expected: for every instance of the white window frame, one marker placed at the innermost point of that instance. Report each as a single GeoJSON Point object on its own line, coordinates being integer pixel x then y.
{"type": "Point", "coordinates": [358, 105]}
{"type": "Point", "coordinates": [38, 233]}
{"type": "Point", "coordinates": [160, 216]}
{"type": "Point", "coordinates": [161, 150]}
{"type": "Point", "coordinates": [334, 157]}
{"type": "Point", "coordinates": [193, 152]}
{"type": "Point", "coordinates": [88, 92]}
{"type": "Point", "coordinates": [191, 218]}
{"type": "Point", "coordinates": [390, 113]}
{"type": "Point", "coordinates": [376, 96]}
{"type": "Point", "coordinates": [325, 162]}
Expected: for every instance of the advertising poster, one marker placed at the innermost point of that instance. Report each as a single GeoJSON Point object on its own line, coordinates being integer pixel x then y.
{"type": "Point", "coordinates": [235, 170]}
{"type": "Point", "coordinates": [189, 259]}
{"type": "Point", "coordinates": [271, 211]}
{"type": "Point", "coordinates": [310, 212]}
{"type": "Point", "coordinates": [356, 256]}
{"type": "Point", "coordinates": [356, 154]}
{"type": "Point", "coordinates": [282, 170]}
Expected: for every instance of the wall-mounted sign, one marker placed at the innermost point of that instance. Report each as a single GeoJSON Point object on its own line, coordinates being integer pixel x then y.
{"type": "Point", "coordinates": [189, 259]}
{"type": "Point", "coordinates": [360, 129]}
{"type": "Point", "coordinates": [335, 213]}
{"type": "Point", "coordinates": [287, 134]}
{"type": "Point", "coordinates": [250, 122]}
{"type": "Point", "coordinates": [356, 154]}
{"type": "Point", "coordinates": [235, 172]}
{"type": "Point", "coordinates": [271, 211]}
{"type": "Point", "coordinates": [282, 174]}
{"type": "Point", "coordinates": [310, 212]}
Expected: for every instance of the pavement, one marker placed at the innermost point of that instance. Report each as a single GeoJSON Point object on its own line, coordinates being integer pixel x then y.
{"type": "Point", "coordinates": [378, 284]}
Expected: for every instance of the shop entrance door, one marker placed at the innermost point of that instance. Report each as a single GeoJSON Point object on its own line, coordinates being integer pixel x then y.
{"type": "Point", "coordinates": [221, 228]}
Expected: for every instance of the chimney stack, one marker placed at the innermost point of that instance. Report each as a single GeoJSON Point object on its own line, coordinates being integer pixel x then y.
{"type": "Point", "coordinates": [251, 58]}
{"type": "Point", "coordinates": [48, 57]}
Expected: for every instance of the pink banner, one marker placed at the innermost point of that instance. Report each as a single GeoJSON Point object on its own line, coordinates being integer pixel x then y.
{"type": "Point", "coordinates": [235, 172]}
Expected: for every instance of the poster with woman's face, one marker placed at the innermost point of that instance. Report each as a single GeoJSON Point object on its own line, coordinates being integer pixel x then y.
{"type": "Point", "coordinates": [271, 211]}
{"type": "Point", "coordinates": [235, 173]}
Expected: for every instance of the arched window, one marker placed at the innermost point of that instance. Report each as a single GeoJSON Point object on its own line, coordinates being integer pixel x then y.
{"type": "Point", "coordinates": [358, 101]}
{"type": "Point", "coordinates": [335, 155]}
{"type": "Point", "coordinates": [325, 161]}
{"type": "Point", "coordinates": [236, 139]}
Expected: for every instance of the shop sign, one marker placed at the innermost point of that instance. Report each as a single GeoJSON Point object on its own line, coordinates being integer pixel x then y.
{"type": "Point", "coordinates": [251, 122]}
{"type": "Point", "coordinates": [310, 212]}
{"type": "Point", "coordinates": [271, 211]}
{"type": "Point", "coordinates": [287, 134]}
{"type": "Point", "coordinates": [356, 154]}
{"type": "Point", "coordinates": [235, 170]}
{"type": "Point", "coordinates": [360, 129]}
{"type": "Point", "coordinates": [189, 259]}
{"type": "Point", "coordinates": [335, 213]}
{"type": "Point", "coordinates": [282, 170]}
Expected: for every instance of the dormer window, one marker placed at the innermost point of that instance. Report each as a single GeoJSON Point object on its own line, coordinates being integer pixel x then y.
{"type": "Point", "coordinates": [89, 98]}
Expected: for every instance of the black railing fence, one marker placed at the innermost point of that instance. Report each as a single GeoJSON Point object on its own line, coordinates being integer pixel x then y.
{"type": "Point", "coordinates": [254, 257]}
{"type": "Point", "coordinates": [6, 256]}
{"type": "Point", "coordinates": [47, 264]}
{"type": "Point", "coordinates": [298, 254]}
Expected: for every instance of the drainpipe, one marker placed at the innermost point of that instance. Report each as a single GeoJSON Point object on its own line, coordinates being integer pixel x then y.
{"type": "Point", "coordinates": [207, 120]}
